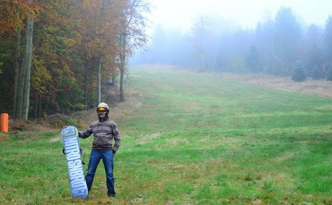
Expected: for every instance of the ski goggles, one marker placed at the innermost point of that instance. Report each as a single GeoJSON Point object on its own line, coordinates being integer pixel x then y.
{"type": "Point", "coordinates": [101, 110]}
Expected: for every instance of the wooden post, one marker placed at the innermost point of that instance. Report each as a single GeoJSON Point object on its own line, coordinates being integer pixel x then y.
{"type": "Point", "coordinates": [4, 122]}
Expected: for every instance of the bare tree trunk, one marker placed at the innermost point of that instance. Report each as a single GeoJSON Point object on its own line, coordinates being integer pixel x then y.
{"type": "Point", "coordinates": [36, 107]}
{"type": "Point", "coordinates": [17, 71]}
{"type": "Point", "coordinates": [122, 66]}
{"type": "Point", "coordinates": [28, 56]}
{"type": "Point", "coordinates": [100, 59]}
{"type": "Point", "coordinates": [22, 78]}
{"type": "Point", "coordinates": [99, 81]}
{"type": "Point", "coordinates": [21, 83]}
{"type": "Point", "coordinates": [39, 108]}
{"type": "Point", "coordinates": [85, 89]}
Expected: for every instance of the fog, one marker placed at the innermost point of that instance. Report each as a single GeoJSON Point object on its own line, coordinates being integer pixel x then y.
{"type": "Point", "coordinates": [181, 13]}
{"type": "Point", "coordinates": [221, 36]}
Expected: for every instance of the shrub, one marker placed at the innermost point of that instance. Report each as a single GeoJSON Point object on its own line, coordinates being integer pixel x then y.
{"type": "Point", "coordinates": [59, 121]}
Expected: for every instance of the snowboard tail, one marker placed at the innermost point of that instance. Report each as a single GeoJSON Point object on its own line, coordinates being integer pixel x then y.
{"type": "Point", "coordinates": [78, 187]}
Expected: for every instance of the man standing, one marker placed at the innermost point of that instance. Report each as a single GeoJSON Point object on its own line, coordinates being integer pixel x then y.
{"type": "Point", "coordinates": [105, 131]}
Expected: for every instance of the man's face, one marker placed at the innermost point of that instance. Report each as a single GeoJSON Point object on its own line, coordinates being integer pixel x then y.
{"type": "Point", "coordinates": [101, 112]}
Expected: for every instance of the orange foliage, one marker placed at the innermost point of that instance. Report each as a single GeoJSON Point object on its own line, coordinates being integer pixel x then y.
{"type": "Point", "coordinates": [69, 38]}
{"type": "Point", "coordinates": [12, 13]}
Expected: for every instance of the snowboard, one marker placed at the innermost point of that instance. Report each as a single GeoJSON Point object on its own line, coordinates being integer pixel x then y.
{"type": "Point", "coordinates": [78, 187]}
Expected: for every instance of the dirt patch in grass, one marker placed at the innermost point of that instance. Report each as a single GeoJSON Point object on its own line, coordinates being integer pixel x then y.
{"type": "Point", "coordinates": [314, 87]}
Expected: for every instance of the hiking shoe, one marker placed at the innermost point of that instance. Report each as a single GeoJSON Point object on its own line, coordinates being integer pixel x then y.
{"type": "Point", "coordinates": [111, 195]}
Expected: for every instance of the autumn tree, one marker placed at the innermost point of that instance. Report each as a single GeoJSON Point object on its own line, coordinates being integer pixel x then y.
{"type": "Point", "coordinates": [55, 78]}
{"type": "Point", "coordinates": [23, 71]}
{"type": "Point", "coordinates": [77, 48]}
{"type": "Point", "coordinates": [12, 19]}
{"type": "Point", "coordinates": [12, 14]}
{"type": "Point", "coordinates": [132, 34]}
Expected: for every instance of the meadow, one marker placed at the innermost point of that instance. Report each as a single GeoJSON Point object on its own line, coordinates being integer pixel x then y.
{"type": "Point", "coordinates": [194, 139]}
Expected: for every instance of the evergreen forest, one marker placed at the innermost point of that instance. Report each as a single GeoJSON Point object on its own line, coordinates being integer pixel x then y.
{"type": "Point", "coordinates": [280, 45]}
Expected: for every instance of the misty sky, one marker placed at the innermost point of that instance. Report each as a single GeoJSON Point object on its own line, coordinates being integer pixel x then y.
{"type": "Point", "coordinates": [246, 13]}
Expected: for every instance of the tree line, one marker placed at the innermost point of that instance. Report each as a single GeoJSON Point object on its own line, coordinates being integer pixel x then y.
{"type": "Point", "coordinates": [277, 46]}
{"type": "Point", "coordinates": [59, 56]}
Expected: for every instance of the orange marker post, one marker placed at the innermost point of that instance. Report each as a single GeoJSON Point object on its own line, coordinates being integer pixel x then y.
{"type": "Point", "coordinates": [4, 122]}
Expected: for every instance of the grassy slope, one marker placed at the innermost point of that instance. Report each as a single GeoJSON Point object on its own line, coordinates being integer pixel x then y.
{"type": "Point", "coordinates": [195, 140]}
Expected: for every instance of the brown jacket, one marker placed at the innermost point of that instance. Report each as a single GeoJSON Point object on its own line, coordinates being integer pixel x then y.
{"type": "Point", "coordinates": [104, 133]}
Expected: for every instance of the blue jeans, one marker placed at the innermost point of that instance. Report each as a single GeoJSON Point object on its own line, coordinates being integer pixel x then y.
{"type": "Point", "coordinates": [95, 157]}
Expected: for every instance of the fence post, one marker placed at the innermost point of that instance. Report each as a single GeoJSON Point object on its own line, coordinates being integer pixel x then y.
{"type": "Point", "coordinates": [4, 122]}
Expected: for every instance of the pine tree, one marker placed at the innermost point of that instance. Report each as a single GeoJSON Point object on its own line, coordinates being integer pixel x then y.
{"type": "Point", "coordinates": [316, 73]}
{"type": "Point", "coordinates": [286, 39]}
{"type": "Point", "coordinates": [298, 73]}
{"type": "Point", "coordinates": [329, 75]}
{"type": "Point", "coordinates": [328, 40]}
{"type": "Point", "coordinates": [252, 60]}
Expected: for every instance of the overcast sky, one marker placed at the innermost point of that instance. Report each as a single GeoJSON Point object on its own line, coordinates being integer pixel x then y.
{"type": "Point", "coordinates": [246, 13]}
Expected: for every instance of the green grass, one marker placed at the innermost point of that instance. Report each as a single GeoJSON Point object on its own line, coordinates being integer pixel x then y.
{"type": "Point", "coordinates": [196, 139]}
